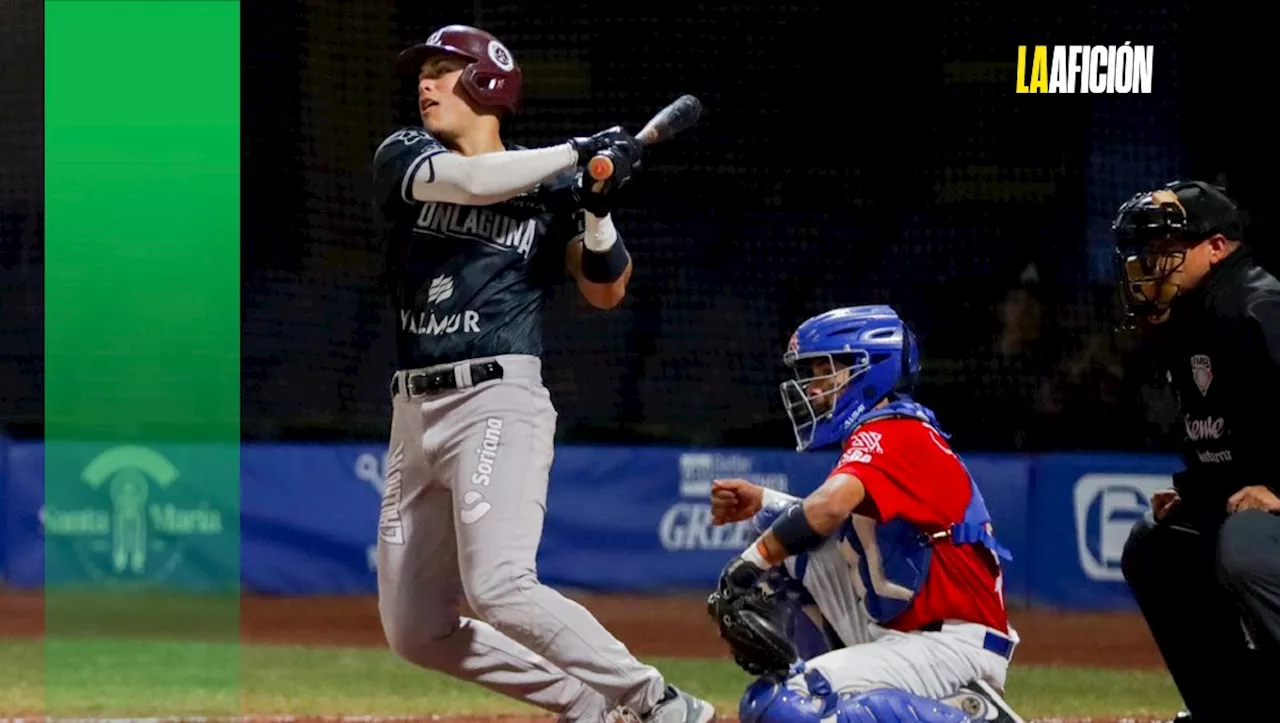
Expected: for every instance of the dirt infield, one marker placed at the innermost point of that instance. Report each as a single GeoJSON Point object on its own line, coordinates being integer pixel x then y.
{"type": "Point", "coordinates": [649, 626]}
{"type": "Point", "coordinates": [678, 627]}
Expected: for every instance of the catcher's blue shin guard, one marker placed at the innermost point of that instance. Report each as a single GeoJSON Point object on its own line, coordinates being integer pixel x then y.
{"type": "Point", "coordinates": [890, 705]}
{"type": "Point", "coordinates": [770, 700]}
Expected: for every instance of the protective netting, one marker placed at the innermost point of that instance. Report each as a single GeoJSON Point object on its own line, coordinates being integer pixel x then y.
{"type": "Point", "coordinates": [834, 167]}
{"type": "Point", "coordinates": [841, 162]}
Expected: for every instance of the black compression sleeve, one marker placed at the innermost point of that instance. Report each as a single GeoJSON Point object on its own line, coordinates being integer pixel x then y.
{"type": "Point", "coordinates": [794, 532]}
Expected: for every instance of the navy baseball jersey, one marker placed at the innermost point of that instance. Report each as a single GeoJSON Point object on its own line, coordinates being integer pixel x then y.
{"type": "Point", "coordinates": [468, 281]}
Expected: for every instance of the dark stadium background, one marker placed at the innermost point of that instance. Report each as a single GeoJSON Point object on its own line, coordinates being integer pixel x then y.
{"type": "Point", "coordinates": [851, 154]}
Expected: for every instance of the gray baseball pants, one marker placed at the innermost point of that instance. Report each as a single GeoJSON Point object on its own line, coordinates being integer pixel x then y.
{"type": "Point", "coordinates": [462, 514]}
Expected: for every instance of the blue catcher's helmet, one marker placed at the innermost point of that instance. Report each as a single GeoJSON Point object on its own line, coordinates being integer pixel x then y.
{"type": "Point", "coordinates": [869, 353]}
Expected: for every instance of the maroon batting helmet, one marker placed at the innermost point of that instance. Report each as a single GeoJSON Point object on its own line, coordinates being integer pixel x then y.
{"type": "Point", "coordinates": [491, 78]}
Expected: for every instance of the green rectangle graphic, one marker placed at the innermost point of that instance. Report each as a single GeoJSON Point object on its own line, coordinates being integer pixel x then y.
{"type": "Point", "coordinates": [142, 356]}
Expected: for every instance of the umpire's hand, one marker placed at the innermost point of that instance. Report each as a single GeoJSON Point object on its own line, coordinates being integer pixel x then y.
{"type": "Point", "coordinates": [1257, 497]}
{"type": "Point", "coordinates": [1162, 502]}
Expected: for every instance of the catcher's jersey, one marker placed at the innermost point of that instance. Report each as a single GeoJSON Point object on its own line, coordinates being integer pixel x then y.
{"type": "Point", "coordinates": [916, 484]}
{"type": "Point", "coordinates": [468, 281]}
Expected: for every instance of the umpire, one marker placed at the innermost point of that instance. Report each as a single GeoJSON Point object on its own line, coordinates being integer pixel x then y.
{"type": "Point", "coordinates": [1204, 565]}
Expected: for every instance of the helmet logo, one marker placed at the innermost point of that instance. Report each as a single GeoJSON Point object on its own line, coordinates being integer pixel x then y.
{"type": "Point", "coordinates": [436, 37]}
{"type": "Point", "coordinates": [793, 346]}
{"type": "Point", "coordinates": [500, 56]}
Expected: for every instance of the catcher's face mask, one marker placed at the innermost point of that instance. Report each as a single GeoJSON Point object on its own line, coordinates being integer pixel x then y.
{"type": "Point", "coordinates": [811, 396]}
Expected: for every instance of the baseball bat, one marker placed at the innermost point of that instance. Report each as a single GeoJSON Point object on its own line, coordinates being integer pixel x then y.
{"type": "Point", "coordinates": [679, 116]}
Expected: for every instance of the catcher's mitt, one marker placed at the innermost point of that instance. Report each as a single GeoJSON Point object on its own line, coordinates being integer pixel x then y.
{"type": "Point", "coordinates": [751, 625]}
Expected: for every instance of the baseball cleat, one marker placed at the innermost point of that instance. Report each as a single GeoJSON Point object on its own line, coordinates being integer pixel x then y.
{"type": "Point", "coordinates": [982, 703]}
{"type": "Point", "coordinates": [678, 706]}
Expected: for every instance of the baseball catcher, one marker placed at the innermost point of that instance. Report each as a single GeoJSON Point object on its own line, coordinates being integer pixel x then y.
{"type": "Point", "coordinates": [921, 632]}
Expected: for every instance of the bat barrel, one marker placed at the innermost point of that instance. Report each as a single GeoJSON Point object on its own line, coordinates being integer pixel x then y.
{"type": "Point", "coordinates": [679, 116]}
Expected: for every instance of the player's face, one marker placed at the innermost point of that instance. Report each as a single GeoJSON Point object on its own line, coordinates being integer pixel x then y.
{"type": "Point", "coordinates": [827, 380]}
{"type": "Point", "coordinates": [444, 110]}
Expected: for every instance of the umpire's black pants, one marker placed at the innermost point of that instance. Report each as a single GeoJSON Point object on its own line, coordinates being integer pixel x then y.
{"type": "Point", "coordinates": [1195, 587]}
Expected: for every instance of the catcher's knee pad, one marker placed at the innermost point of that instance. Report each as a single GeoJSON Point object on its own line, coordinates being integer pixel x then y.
{"type": "Point", "coordinates": [771, 700]}
{"type": "Point", "coordinates": [890, 705]}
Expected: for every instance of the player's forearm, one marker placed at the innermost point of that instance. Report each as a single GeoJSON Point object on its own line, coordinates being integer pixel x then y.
{"type": "Point", "coordinates": [823, 517]}
{"type": "Point", "coordinates": [605, 265]}
{"type": "Point", "coordinates": [804, 527]}
{"type": "Point", "coordinates": [766, 551]}
{"type": "Point", "coordinates": [489, 178]}
{"type": "Point", "coordinates": [606, 295]}
{"type": "Point", "coordinates": [801, 528]}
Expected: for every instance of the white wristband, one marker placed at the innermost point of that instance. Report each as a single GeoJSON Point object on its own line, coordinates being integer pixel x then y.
{"type": "Point", "coordinates": [600, 234]}
{"type": "Point", "coordinates": [753, 556]}
{"type": "Point", "coordinates": [773, 497]}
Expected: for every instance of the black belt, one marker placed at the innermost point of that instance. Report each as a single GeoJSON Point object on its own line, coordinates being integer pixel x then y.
{"type": "Point", "coordinates": [421, 383]}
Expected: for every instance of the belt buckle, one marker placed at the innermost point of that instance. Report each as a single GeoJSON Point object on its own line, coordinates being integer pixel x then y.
{"type": "Point", "coordinates": [409, 384]}
{"type": "Point", "coordinates": [437, 381]}
{"type": "Point", "coordinates": [487, 372]}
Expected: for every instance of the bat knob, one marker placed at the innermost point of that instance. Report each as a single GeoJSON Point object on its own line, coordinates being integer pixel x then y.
{"type": "Point", "coordinates": [600, 167]}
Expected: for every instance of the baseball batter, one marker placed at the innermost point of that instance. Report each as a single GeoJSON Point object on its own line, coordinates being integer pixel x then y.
{"type": "Point", "coordinates": [479, 234]}
{"type": "Point", "coordinates": [915, 533]}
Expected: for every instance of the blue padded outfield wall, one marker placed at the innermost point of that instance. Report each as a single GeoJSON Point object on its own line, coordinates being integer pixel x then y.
{"type": "Point", "coordinates": [619, 519]}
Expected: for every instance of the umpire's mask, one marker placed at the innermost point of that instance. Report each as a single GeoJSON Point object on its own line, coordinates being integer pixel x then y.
{"type": "Point", "coordinates": [1154, 230]}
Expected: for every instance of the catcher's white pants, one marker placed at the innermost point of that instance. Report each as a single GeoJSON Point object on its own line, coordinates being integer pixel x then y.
{"type": "Point", "coordinates": [829, 580]}
{"type": "Point", "coordinates": [929, 664]}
